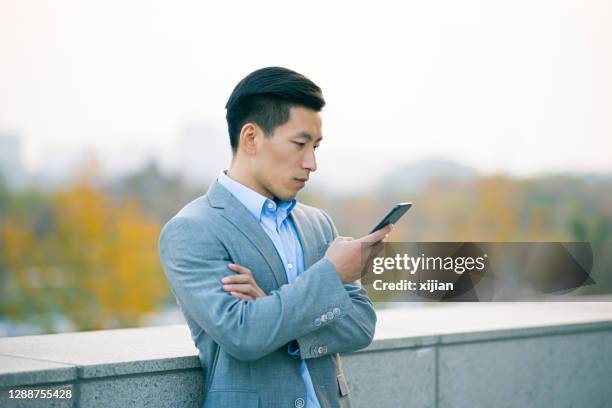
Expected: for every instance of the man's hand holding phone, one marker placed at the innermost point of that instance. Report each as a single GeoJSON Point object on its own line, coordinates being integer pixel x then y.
{"type": "Point", "coordinates": [349, 256]}
{"type": "Point", "coordinates": [344, 253]}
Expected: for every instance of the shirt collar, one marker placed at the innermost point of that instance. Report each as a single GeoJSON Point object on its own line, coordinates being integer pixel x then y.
{"type": "Point", "coordinates": [257, 204]}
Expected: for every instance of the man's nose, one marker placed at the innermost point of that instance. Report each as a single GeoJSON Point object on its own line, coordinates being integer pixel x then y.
{"type": "Point", "coordinates": [310, 162]}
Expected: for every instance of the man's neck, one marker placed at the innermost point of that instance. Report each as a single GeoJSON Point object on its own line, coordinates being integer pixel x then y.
{"type": "Point", "coordinates": [243, 176]}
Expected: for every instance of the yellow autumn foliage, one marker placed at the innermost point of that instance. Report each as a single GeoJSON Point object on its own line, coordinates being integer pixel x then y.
{"type": "Point", "coordinates": [98, 267]}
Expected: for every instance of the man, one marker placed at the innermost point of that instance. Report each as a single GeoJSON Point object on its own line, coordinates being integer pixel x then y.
{"type": "Point", "coordinates": [269, 291]}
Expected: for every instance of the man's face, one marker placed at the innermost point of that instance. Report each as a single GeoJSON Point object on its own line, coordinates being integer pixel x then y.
{"type": "Point", "coordinates": [283, 162]}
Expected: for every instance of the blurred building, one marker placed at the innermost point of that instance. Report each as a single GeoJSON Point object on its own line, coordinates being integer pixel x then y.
{"type": "Point", "coordinates": [11, 165]}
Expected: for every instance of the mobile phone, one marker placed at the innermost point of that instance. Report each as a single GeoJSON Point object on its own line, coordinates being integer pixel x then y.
{"type": "Point", "coordinates": [392, 216]}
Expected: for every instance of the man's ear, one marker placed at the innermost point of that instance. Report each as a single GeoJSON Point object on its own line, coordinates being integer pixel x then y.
{"type": "Point", "coordinates": [248, 136]}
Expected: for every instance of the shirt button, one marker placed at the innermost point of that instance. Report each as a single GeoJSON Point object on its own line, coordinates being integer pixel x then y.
{"type": "Point", "coordinates": [270, 205]}
{"type": "Point", "coordinates": [323, 318]}
{"type": "Point", "coordinates": [329, 315]}
{"type": "Point", "coordinates": [290, 266]}
{"type": "Point", "coordinates": [321, 349]}
{"type": "Point", "coordinates": [299, 403]}
{"type": "Point", "coordinates": [336, 311]}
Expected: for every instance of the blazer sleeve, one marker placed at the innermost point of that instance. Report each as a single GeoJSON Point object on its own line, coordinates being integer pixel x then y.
{"type": "Point", "coordinates": [353, 331]}
{"type": "Point", "coordinates": [195, 261]}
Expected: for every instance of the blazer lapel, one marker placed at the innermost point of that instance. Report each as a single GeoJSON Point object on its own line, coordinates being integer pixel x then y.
{"type": "Point", "coordinates": [304, 230]}
{"type": "Point", "coordinates": [241, 218]}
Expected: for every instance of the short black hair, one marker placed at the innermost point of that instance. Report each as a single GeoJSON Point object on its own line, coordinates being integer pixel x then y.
{"type": "Point", "coordinates": [265, 97]}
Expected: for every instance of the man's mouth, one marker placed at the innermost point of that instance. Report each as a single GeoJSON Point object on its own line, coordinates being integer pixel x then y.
{"type": "Point", "coordinates": [301, 182]}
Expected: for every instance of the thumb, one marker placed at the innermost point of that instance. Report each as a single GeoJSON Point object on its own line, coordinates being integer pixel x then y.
{"type": "Point", "coordinates": [376, 236]}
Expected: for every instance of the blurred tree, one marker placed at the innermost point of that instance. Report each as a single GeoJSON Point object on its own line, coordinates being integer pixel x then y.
{"type": "Point", "coordinates": [135, 283]}
{"type": "Point", "coordinates": [21, 254]}
{"type": "Point", "coordinates": [25, 216]}
{"type": "Point", "coordinates": [109, 257]}
{"type": "Point", "coordinates": [88, 252]}
{"type": "Point", "coordinates": [160, 195]}
{"type": "Point", "coordinates": [97, 265]}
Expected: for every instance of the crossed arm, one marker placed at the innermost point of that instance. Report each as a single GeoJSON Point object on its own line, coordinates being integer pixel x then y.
{"type": "Point", "coordinates": [351, 333]}
{"type": "Point", "coordinates": [249, 329]}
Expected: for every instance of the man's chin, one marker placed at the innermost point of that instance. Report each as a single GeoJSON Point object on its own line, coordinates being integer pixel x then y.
{"type": "Point", "coordinates": [287, 195]}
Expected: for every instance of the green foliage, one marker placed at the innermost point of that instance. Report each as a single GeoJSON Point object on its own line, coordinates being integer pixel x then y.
{"type": "Point", "coordinates": [94, 262]}
{"type": "Point", "coordinates": [89, 253]}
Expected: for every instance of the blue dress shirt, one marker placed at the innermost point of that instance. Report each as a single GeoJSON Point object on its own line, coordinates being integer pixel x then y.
{"type": "Point", "coordinates": [273, 218]}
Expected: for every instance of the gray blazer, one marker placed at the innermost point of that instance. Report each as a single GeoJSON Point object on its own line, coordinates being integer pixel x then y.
{"type": "Point", "coordinates": [243, 344]}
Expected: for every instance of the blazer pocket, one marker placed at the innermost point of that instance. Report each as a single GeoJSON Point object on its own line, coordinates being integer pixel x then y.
{"type": "Point", "coordinates": [231, 399]}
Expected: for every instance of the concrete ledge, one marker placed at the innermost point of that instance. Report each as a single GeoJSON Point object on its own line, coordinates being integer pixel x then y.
{"type": "Point", "coordinates": [442, 355]}
{"type": "Point", "coordinates": [20, 371]}
{"type": "Point", "coordinates": [110, 352]}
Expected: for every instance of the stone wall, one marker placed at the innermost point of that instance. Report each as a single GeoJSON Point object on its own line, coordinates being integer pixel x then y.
{"type": "Point", "coordinates": [485, 355]}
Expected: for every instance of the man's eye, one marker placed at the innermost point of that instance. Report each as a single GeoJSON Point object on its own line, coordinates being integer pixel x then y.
{"type": "Point", "coordinates": [300, 144]}
{"type": "Point", "coordinates": [316, 147]}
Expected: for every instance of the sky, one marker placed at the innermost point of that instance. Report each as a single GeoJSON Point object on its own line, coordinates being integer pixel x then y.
{"type": "Point", "coordinates": [521, 87]}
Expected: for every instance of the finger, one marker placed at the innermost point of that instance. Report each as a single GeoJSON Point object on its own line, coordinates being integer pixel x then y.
{"type": "Point", "coordinates": [237, 268]}
{"type": "Point", "coordinates": [376, 248]}
{"type": "Point", "coordinates": [259, 293]}
{"type": "Point", "coordinates": [241, 296]}
{"type": "Point", "coordinates": [242, 288]}
{"type": "Point", "coordinates": [242, 278]}
{"type": "Point", "coordinates": [376, 235]}
{"type": "Point", "coordinates": [371, 251]}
